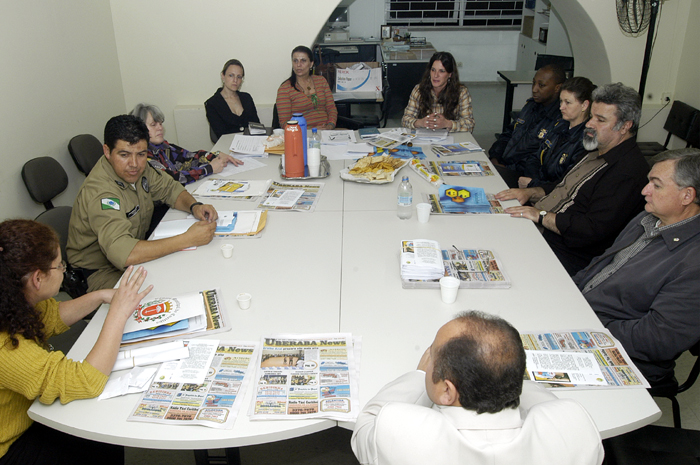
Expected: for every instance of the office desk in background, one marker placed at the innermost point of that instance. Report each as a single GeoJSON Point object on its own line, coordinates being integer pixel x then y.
{"type": "Point", "coordinates": [337, 269]}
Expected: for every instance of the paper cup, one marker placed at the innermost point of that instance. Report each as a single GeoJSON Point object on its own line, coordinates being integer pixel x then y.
{"type": "Point", "coordinates": [314, 169]}
{"type": "Point", "coordinates": [244, 300]}
{"type": "Point", "coordinates": [448, 289]}
{"type": "Point", "coordinates": [227, 250]}
{"type": "Point", "coordinates": [423, 212]}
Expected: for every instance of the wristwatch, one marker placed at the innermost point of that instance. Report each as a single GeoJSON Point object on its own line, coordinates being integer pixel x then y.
{"type": "Point", "coordinates": [543, 213]}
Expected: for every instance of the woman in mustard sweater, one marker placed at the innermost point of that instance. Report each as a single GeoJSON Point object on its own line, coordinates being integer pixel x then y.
{"type": "Point", "coordinates": [31, 273]}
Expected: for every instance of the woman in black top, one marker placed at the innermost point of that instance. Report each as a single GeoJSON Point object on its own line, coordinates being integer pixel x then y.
{"type": "Point", "coordinates": [230, 110]}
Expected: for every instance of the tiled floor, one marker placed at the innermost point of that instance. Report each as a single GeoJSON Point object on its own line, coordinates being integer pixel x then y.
{"type": "Point", "coordinates": [333, 446]}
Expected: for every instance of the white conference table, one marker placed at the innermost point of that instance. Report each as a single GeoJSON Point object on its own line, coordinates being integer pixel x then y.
{"type": "Point", "coordinates": [337, 269]}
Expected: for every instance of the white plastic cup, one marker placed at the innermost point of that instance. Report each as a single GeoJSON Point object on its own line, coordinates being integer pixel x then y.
{"type": "Point", "coordinates": [244, 300]}
{"type": "Point", "coordinates": [314, 170]}
{"type": "Point", "coordinates": [423, 212]}
{"type": "Point", "coordinates": [313, 160]}
{"type": "Point", "coordinates": [448, 289]}
{"type": "Point", "coordinates": [278, 132]}
{"type": "Point", "coordinates": [227, 250]}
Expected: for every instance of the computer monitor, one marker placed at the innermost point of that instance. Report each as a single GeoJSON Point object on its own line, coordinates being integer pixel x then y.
{"type": "Point", "coordinates": [338, 19]}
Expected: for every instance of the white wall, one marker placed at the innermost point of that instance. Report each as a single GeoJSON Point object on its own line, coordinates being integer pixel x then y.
{"type": "Point", "coordinates": [171, 51]}
{"type": "Point", "coordinates": [60, 78]}
{"type": "Point", "coordinates": [481, 53]}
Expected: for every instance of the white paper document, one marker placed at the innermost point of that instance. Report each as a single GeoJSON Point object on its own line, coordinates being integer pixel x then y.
{"type": "Point", "coordinates": [247, 145]}
{"type": "Point", "coordinates": [338, 136]}
{"type": "Point", "coordinates": [151, 355]}
{"type": "Point", "coordinates": [248, 164]}
{"type": "Point", "coordinates": [129, 382]}
{"type": "Point", "coordinates": [192, 369]}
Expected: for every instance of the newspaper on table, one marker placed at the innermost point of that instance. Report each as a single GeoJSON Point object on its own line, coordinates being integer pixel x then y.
{"type": "Point", "coordinates": [421, 259]}
{"type": "Point", "coordinates": [291, 196]}
{"type": "Point", "coordinates": [229, 189]}
{"type": "Point", "coordinates": [461, 168]}
{"type": "Point", "coordinates": [391, 139]}
{"type": "Point", "coordinates": [215, 402]}
{"type": "Point", "coordinates": [455, 149]}
{"type": "Point", "coordinates": [579, 359]}
{"type": "Point", "coordinates": [306, 376]}
{"type": "Point", "coordinates": [475, 268]}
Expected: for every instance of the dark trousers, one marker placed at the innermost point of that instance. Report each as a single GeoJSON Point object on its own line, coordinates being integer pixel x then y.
{"type": "Point", "coordinates": [41, 445]}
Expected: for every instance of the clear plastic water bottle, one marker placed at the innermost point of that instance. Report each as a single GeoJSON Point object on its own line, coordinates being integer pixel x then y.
{"type": "Point", "coordinates": [315, 140]}
{"type": "Point", "coordinates": [404, 208]}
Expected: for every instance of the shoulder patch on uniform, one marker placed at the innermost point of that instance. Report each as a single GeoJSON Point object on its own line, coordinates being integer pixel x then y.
{"type": "Point", "coordinates": [110, 204]}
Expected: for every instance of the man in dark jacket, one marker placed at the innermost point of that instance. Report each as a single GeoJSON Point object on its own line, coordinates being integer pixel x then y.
{"type": "Point", "coordinates": [646, 287]}
{"type": "Point", "coordinates": [582, 215]}
{"type": "Point", "coordinates": [536, 119]}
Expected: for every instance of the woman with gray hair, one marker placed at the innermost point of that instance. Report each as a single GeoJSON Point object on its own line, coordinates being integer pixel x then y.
{"type": "Point", "coordinates": [184, 166]}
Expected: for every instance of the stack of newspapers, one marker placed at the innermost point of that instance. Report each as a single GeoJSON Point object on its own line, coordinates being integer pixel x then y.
{"type": "Point", "coordinates": [421, 259]}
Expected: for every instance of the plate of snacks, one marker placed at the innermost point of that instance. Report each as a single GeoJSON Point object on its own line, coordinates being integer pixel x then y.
{"type": "Point", "coordinates": [379, 169]}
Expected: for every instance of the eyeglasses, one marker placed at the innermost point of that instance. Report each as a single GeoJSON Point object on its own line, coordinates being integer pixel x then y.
{"type": "Point", "coordinates": [62, 267]}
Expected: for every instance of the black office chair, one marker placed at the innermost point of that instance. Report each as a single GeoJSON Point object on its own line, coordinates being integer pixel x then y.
{"type": "Point", "coordinates": [672, 388]}
{"type": "Point", "coordinates": [45, 178]}
{"type": "Point", "coordinates": [680, 121]}
{"type": "Point", "coordinates": [654, 445]}
{"type": "Point", "coordinates": [275, 118]}
{"type": "Point", "coordinates": [694, 136]}
{"type": "Point", "coordinates": [85, 150]}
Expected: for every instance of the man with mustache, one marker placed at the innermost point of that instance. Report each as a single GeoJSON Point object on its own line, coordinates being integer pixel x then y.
{"type": "Point", "coordinates": [582, 215]}
{"type": "Point", "coordinates": [113, 209]}
{"type": "Point", "coordinates": [537, 118]}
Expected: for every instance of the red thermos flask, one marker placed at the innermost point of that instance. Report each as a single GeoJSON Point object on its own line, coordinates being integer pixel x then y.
{"type": "Point", "coordinates": [293, 151]}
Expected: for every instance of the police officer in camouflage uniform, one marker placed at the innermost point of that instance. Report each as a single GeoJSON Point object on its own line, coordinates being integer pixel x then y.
{"type": "Point", "coordinates": [113, 209]}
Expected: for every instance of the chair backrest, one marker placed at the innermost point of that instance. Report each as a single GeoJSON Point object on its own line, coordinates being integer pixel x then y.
{"type": "Point", "coordinates": [680, 120]}
{"type": "Point", "coordinates": [212, 135]}
{"type": "Point", "coordinates": [58, 218]}
{"type": "Point", "coordinates": [694, 371]}
{"type": "Point", "coordinates": [275, 118]}
{"type": "Point", "coordinates": [44, 178]}
{"type": "Point", "coordinates": [85, 150]}
{"type": "Point", "coordinates": [694, 135]}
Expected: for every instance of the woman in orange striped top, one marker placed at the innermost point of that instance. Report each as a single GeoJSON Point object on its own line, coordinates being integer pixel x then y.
{"type": "Point", "coordinates": [306, 94]}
